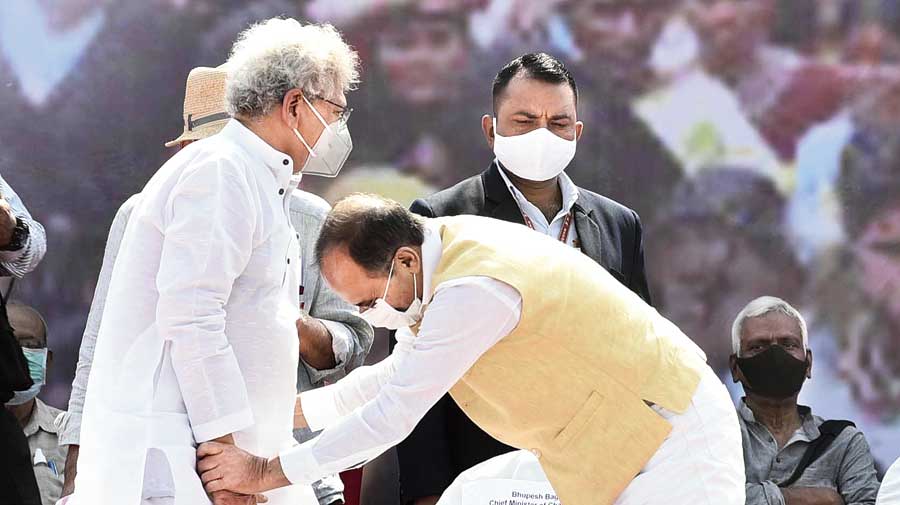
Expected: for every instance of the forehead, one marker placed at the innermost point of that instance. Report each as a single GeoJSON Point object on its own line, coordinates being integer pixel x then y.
{"type": "Point", "coordinates": [773, 324]}
{"type": "Point", "coordinates": [28, 327]}
{"type": "Point", "coordinates": [526, 93]}
{"type": "Point", "coordinates": [347, 278]}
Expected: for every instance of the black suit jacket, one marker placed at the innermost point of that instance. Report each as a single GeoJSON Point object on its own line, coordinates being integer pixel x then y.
{"type": "Point", "coordinates": [446, 442]}
{"type": "Point", "coordinates": [608, 232]}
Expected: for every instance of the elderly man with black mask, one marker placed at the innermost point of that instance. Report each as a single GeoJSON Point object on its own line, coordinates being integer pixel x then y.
{"type": "Point", "coordinates": [791, 456]}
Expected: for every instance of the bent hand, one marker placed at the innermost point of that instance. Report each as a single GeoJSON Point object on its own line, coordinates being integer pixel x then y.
{"type": "Point", "coordinates": [224, 467]}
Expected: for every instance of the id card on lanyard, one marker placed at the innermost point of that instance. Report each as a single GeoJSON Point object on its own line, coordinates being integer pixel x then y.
{"type": "Point", "coordinates": [563, 233]}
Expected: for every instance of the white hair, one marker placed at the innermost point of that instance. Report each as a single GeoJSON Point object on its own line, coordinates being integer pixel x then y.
{"type": "Point", "coordinates": [760, 307]}
{"type": "Point", "coordinates": [274, 56]}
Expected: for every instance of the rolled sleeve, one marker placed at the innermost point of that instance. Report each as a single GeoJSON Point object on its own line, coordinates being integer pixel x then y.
{"type": "Point", "coordinates": [22, 261]}
{"type": "Point", "coordinates": [223, 425]}
{"type": "Point", "coordinates": [764, 493]}
{"type": "Point", "coordinates": [208, 239]}
{"type": "Point", "coordinates": [341, 338]}
{"type": "Point", "coordinates": [858, 481]}
{"type": "Point", "coordinates": [68, 425]}
{"type": "Point", "coordinates": [351, 336]}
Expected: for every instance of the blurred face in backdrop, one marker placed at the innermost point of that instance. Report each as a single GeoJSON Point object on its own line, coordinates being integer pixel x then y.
{"type": "Point", "coordinates": [423, 59]}
{"type": "Point", "coordinates": [703, 274]}
{"type": "Point", "coordinates": [877, 253]}
{"type": "Point", "coordinates": [731, 31]}
{"type": "Point", "coordinates": [619, 35]}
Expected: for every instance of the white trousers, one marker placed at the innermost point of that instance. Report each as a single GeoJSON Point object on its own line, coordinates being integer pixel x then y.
{"type": "Point", "coordinates": [701, 462]}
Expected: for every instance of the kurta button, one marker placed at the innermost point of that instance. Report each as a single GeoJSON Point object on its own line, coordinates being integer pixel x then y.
{"type": "Point", "coordinates": [280, 191]}
{"type": "Point", "coordinates": [537, 453]}
{"type": "Point", "coordinates": [286, 162]}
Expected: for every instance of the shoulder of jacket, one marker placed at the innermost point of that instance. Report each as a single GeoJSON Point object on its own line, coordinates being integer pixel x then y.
{"type": "Point", "coordinates": [605, 205]}
{"type": "Point", "coordinates": [308, 204]}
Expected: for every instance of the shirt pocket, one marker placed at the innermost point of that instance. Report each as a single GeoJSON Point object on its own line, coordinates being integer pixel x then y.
{"type": "Point", "coordinates": [49, 482]}
{"type": "Point", "coordinates": [580, 422]}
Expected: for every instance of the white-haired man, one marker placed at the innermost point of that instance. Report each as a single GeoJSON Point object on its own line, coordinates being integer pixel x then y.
{"type": "Point", "coordinates": [198, 339]}
{"type": "Point", "coordinates": [333, 338]}
{"type": "Point", "coordinates": [791, 457]}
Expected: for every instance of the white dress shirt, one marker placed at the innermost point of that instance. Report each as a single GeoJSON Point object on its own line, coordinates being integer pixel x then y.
{"type": "Point", "coordinates": [889, 494]}
{"type": "Point", "coordinates": [198, 336]}
{"type": "Point", "coordinates": [553, 228]}
{"type": "Point", "coordinates": [375, 407]}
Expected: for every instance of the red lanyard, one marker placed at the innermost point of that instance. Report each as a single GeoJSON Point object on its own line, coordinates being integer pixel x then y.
{"type": "Point", "coordinates": [563, 233]}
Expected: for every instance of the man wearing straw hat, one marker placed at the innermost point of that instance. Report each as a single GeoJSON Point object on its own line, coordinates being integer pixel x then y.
{"type": "Point", "coordinates": [199, 335]}
{"type": "Point", "coordinates": [204, 105]}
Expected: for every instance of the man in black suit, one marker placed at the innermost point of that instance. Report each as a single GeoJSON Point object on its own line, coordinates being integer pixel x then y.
{"type": "Point", "coordinates": [533, 135]}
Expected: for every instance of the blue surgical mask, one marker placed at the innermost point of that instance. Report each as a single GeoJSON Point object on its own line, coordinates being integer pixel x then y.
{"type": "Point", "coordinates": [37, 369]}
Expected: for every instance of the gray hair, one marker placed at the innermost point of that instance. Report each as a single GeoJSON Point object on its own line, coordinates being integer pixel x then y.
{"type": "Point", "coordinates": [760, 307]}
{"type": "Point", "coordinates": [277, 55]}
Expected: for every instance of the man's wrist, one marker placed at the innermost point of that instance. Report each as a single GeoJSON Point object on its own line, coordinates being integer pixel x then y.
{"type": "Point", "coordinates": [273, 476]}
{"type": "Point", "coordinates": [17, 238]}
{"type": "Point", "coordinates": [7, 233]}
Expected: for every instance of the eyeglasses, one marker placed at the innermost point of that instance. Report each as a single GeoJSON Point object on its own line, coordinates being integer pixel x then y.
{"type": "Point", "coordinates": [344, 111]}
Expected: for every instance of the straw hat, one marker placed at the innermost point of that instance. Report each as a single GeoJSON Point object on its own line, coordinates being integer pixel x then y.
{"type": "Point", "coordinates": [204, 104]}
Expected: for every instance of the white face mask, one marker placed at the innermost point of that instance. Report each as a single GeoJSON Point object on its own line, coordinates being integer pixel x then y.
{"type": "Point", "coordinates": [538, 155]}
{"type": "Point", "coordinates": [382, 315]}
{"type": "Point", "coordinates": [330, 152]}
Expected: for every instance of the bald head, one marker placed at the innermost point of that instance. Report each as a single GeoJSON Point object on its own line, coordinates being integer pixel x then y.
{"type": "Point", "coordinates": [369, 229]}
{"type": "Point", "coordinates": [28, 326]}
{"type": "Point", "coordinates": [370, 248]}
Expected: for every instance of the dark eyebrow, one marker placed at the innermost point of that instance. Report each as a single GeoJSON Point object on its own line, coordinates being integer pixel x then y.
{"type": "Point", "coordinates": [529, 115]}
{"type": "Point", "coordinates": [561, 116]}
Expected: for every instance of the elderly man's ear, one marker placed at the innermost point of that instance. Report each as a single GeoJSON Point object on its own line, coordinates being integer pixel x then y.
{"type": "Point", "coordinates": [736, 374]}
{"type": "Point", "coordinates": [290, 107]}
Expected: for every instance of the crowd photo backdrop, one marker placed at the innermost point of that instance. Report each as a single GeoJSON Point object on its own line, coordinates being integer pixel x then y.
{"type": "Point", "coordinates": [759, 142]}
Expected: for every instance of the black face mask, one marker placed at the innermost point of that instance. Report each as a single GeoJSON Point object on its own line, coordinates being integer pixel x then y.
{"type": "Point", "coordinates": [773, 373]}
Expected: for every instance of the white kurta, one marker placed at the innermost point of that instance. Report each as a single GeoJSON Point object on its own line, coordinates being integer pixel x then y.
{"type": "Point", "coordinates": [198, 338]}
{"type": "Point", "coordinates": [889, 494]}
